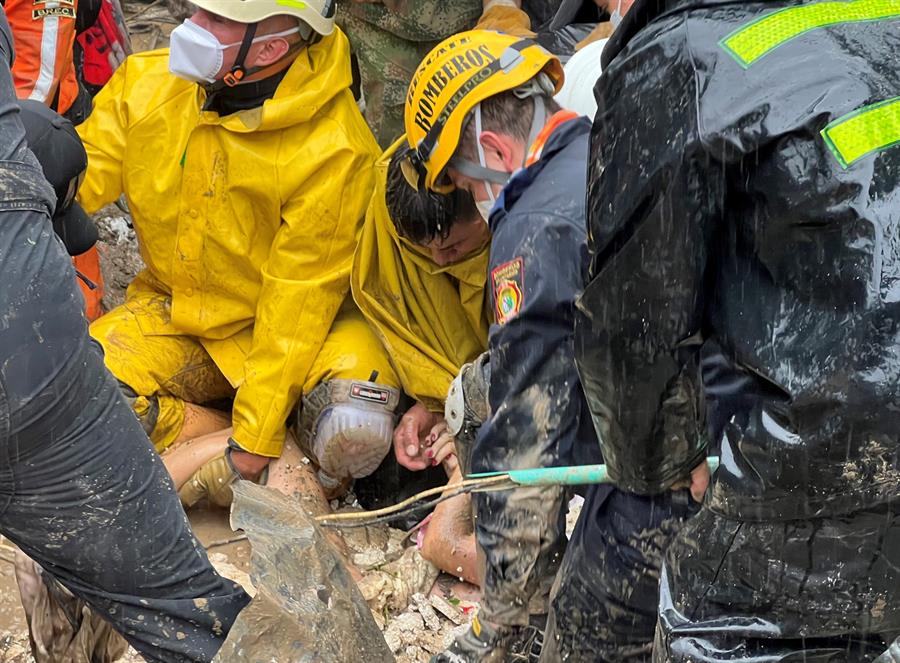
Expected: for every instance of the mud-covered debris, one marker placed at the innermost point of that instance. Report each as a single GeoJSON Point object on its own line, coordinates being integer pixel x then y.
{"type": "Point", "coordinates": [447, 609]}
{"type": "Point", "coordinates": [404, 631]}
{"type": "Point", "coordinates": [13, 651]}
{"type": "Point", "coordinates": [120, 259]}
{"type": "Point", "coordinates": [62, 626]}
{"type": "Point", "coordinates": [373, 547]}
{"type": "Point", "coordinates": [391, 587]}
{"type": "Point", "coordinates": [429, 616]}
{"type": "Point", "coordinates": [307, 607]}
{"type": "Point", "coordinates": [369, 559]}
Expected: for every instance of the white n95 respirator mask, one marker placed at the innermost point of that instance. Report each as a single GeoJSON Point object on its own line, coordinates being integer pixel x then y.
{"type": "Point", "coordinates": [196, 55]}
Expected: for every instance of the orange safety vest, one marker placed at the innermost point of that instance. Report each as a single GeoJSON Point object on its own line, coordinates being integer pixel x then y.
{"type": "Point", "coordinates": [44, 70]}
{"type": "Point", "coordinates": [88, 264]}
{"type": "Point", "coordinates": [44, 38]}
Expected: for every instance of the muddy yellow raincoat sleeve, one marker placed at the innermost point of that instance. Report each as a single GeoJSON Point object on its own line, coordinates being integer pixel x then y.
{"type": "Point", "coordinates": [247, 221]}
{"type": "Point", "coordinates": [431, 319]}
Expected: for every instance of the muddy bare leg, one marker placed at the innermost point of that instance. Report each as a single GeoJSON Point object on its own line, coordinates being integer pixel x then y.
{"type": "Point", "coordinates": [293, 475]}
{"type": "Point", "coordinates": [183, 459]}
{"type": "Point", "coordinates": [450, 538]}
{"type": "Point", "coordinates": [200, 421]}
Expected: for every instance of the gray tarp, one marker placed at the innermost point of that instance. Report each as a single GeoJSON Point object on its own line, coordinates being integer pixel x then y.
{"type": "Point", "coordinates": [307, 608]}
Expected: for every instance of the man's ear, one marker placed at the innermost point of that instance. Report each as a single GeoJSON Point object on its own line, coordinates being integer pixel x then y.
{"type": "Point", "coordinates": [271, 50]}
{"type": "Point", "coordinates": [501, 146]}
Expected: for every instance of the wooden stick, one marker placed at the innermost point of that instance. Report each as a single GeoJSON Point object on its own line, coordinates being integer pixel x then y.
{"type": "Point", "coordinates": [226, 542]}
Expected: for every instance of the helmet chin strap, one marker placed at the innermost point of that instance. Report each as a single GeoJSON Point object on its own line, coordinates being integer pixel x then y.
{"type": "Point", "coordinates": [239, 72]}
{"type": "Point", "coordinates": [480, 170]}
{"type": "Point", "coordinates": [481, 158]}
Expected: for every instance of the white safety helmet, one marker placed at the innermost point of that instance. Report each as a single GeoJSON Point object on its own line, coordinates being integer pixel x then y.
{"type": "Point", "coordinates": [582, 71]}
{"type": "Point", "coordinates": [318, 14]}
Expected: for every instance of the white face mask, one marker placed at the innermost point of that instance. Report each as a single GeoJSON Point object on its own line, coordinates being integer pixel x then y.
{"type": "Point", "coordinates": [484, 208]}
{"type": "Point", "coordinates": [196, 55]}
{"type": "Point", "coordinates": [615, 16]}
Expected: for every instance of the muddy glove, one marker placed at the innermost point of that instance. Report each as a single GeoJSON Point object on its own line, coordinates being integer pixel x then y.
{"type": "Point", "coordinates": [213, 481]}
{"type": "Point", "coordinates": [484, 643]}
{"type": "Point", "coordinates": [467, 405]}
{"type": "Point", "coordinates": [505, 16]}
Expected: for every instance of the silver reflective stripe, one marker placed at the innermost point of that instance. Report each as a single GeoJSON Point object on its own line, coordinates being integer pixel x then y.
{"type": "Point", "coordinates": [538, 120]}
{"type": "Point", "coordinates": [43, 87]}
{"type": "Point", "coordinates": [476, 172]}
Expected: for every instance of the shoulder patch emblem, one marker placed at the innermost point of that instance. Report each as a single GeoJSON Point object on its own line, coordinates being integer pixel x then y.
{"type": "Point", "coordinates": [508, 282]}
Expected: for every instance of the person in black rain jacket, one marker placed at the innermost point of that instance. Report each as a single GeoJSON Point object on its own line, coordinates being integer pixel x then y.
{"type": "Point", "coordinates": [82, 492]}
{"type": "Point", "coordinates": [744, 215]}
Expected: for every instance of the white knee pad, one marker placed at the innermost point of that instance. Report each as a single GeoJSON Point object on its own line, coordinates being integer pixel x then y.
{"type": "Point", "coordinates": [346, 426]}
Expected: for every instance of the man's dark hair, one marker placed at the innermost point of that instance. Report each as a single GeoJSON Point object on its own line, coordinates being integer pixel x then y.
{"type": "Point", "coordinates": [422, 216]}
{"type": "Point", "coordinates": [507, 113]}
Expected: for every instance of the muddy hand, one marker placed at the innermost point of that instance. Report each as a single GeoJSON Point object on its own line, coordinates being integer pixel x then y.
{"type": "Point", "coordinates": [410, 437]}
{"type": "Point", "coordinates": [213, 481]}
{"type": "Point", "coordinates": [442, 447]}
{"type": "Point", "coordinates": [698, 482]}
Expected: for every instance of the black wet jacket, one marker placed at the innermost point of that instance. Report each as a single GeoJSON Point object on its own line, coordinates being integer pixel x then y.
{"type": "Point", "coordinates": [539, 418]}
{"type": "Point", "coordinates": [538, 267]}
{"type": "Point", "coordinates": [744, 206]}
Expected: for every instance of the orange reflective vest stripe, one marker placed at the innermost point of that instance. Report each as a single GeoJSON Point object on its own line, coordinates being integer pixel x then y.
{"type": "Point", "coordinates": [537, 147]}
{"type": "Point", "coordinates": [44, 39]}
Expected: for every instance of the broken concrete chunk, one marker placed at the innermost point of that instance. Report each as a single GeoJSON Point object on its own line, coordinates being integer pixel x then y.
{"type": "Point", "coordinates": [429, 616]}
{"type": "Point", "coordinates": [404, 631]}
{"type": "Point", "coordinates": [447, 609]}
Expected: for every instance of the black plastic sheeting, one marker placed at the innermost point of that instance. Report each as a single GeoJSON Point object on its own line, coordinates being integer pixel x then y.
{"type": "Point", "coordinates": [746, 290]}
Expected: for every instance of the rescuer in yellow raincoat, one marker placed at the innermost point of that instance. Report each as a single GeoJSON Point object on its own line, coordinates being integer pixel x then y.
{"type": "Point", "coordinates": [247, 173]}
{"type": "Point", "coordinates": [422, 289]}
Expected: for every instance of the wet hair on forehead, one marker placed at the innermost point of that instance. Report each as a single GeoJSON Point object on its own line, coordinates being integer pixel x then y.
{"type": "Point", "coordinates": [423, 216]}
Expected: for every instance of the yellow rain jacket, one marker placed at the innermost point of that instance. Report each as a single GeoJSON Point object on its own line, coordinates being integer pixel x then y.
{"type": "Point", "coordinates": [247, 221]}
{"type": "Point", "coordinates": [431, 319]}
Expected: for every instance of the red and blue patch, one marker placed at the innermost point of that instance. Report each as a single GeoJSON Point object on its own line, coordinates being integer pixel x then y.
{"type": "Point", "coordinates": [508, 282]}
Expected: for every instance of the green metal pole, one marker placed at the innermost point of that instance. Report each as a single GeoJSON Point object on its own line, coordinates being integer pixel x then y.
{"type": "Point", "coordinates": [574, 475]}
